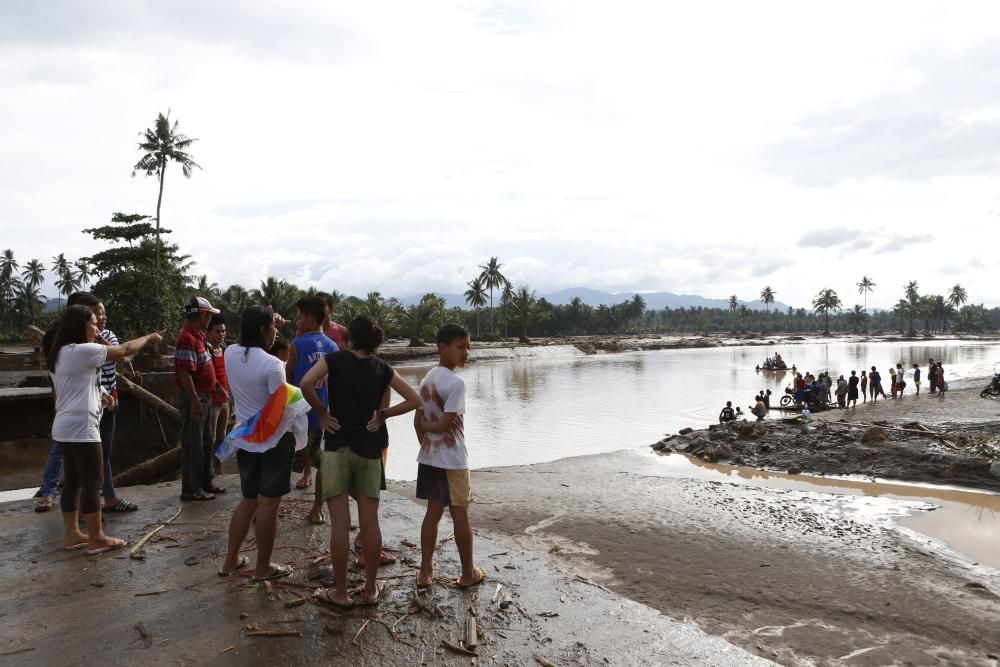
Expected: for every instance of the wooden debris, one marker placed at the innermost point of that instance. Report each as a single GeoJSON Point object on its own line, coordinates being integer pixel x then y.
{"type": "Point", "coordinates": [543, 662]}
{"type": "Point", "coordinates": [134, 553]}
{"type": "Point", "coordinates": [471, 636]}
{"type": "Point", "coordinates": [227, 649]}
{"type": "Point", "coordinates": [143, 632]}
{"type": "Point", "coordinates": [457, 649]}
{"type": "Point", "coordinates": [496, 593]}
{"type": "Point", "coordinates": [162, 590]}
{"type": "Point", "coordinates": [407, 543]}
{"type": "Point", "coordinates": [274, 633]}
{"type": "Point", "coordinates": [19, 650]}
{"type": "Point", "coordinates": [295, 603]}
{"type": "Point", "coordinates": [549, 614]}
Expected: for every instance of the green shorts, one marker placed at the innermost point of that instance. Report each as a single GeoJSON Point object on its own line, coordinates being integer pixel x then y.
{"type": "Point", "coordinates": [343, 470]}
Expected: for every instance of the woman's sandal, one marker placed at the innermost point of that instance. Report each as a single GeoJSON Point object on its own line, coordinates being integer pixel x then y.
{"type": "Point", "coordinates": [425, 584]}
{"type": "Point", "coordinates": [243, 562]}
{"type": "Point", "coordinates": [114, 546]}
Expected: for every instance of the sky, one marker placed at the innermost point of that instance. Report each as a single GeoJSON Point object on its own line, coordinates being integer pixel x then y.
{"type": "Point", "coordinates": [700, 148]}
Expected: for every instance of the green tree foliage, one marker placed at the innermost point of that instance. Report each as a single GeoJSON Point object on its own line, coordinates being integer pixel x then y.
{"type": "Point", "coordinates": [865, 288]}
{"type": "Point", "coordinates": [140, 297]}
{"type": "Point", "coordinates": [492, 278]}
{"type": "Point", "coordinates": [825, 301]}
{"type": "Point", "coordinates": [421, 321]}
{"type": "Point", "coordinates": [475, 296]}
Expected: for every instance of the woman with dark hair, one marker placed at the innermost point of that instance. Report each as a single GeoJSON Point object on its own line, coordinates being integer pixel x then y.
{"type": "Point", "coordinates": [355, 435]}
{"type": "Point", "coordinates": [75, 361]}
{"type": "Point", "coordinates": [254, 378]}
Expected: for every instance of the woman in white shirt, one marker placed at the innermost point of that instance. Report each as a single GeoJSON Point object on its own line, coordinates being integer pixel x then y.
{"type": "Point", "coordinates": [74, 362]}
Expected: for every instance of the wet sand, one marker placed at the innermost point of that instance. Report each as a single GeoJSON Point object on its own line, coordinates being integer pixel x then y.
{"type": "Point", "coordinates": [798, 577]}
{"type": "Point", "coordinates": [171, 608]}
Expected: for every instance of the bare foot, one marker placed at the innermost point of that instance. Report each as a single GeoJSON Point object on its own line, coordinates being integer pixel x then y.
{"type": "Point", "coordinates": [75, 539]}
{"type": "Point", "coordinates": [425, 577]}
{"type": "Point", "coordinates": [103, 541]}
{"type": "Point", "coordinates": [316, 515]}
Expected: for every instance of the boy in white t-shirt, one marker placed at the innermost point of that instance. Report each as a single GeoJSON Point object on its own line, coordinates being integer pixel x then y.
{"type": "Point", "coordinates": [443, 462]}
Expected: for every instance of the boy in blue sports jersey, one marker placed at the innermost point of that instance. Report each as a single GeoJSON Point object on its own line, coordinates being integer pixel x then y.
{"type": "Point", "coordinates": [305, 350]}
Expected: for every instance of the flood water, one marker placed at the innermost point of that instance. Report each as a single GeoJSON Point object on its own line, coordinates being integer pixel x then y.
{"type": "Point", "coordinates": [550, 407]}
{"type": "Point", "coordinates": [544, 408]}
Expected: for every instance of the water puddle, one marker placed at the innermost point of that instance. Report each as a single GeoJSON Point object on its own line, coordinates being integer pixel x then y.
{"type": "Point", "coordinates": [968, 521]}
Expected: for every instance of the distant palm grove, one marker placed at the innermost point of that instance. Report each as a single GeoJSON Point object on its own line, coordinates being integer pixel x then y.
{"type": "Point", "coordinates": [125, 277]}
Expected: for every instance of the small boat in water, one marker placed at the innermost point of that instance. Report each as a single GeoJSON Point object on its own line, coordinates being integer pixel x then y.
{"type": "Point", "coordinates": [775, 369]}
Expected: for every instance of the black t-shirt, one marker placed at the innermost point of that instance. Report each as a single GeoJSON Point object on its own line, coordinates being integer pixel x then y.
{"type": "Point", "coordinates": [356, 389]}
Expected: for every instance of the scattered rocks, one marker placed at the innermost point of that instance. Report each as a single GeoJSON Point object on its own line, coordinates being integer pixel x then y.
{"type": "Point", "coordinates": [686, 430]}
{"type": "Point", "coordinates": [795, 470]}
{"type": "Point", "coordinates": [747, 430]}
{"type": "Point", "coordinates": [723, 452]}
{"type": "Point", "coordinates": [872, 435]}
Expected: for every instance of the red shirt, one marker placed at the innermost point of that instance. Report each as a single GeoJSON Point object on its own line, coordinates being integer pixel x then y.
{"type": "Point", "coordinates": [219, 364]}
{"type": "Point", "coordinates": [335, 332]}
{"type": "Point", "coordinates": [190, 354]}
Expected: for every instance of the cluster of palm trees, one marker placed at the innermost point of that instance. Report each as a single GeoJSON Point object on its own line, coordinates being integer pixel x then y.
{"type": "Point", "coordinates": [21, 300]}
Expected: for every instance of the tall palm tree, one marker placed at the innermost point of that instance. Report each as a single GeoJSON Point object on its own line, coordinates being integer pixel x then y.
{"type": "Point", "coordinates": [206, 289]}
{"type": "Point", "coordinates": [767, 296]}
{"type": "Point", "coordinates": [67, 281]}
{"type": "Point", "coordinates": [743, 312]}
{"type": "Point", "coordinates": [475, 296]}
{"type": "Point", "coordinates": [825, 301]}
{"type": "Point", "coordinates": [734, 305]}
{"type": "Point", "coordinates": [913, 296]}
{"type": "Point", "coordinates": [278, 294]}
{"type": "Point", "coordinates": [492, 278]}
{"type": "Point", "coordinates": [8, 265]}
{"type": "Point", "coordinates": [160, 144]}
{"type": "Point", "coordinates": [636, 308]}
{"type": "Point", "coordinates": [33, 275]}
{"type": "Point", "coordinates": [865, 287]}
{"type": "Point", "coordinates": [957, 296]}
{"type": "Point", "coordinates": [83, 273]}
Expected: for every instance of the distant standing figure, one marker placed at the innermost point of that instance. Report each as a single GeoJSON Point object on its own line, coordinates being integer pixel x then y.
{"type": "Point", "coordinates": [864, 386]}
{"type": "Point", "coordinates": [875, 381]}
{"type": "Point", "coordinates": [916, 378]}
{"type": "Point", "coordinates": [900, 379]}
{"type": "Point", "coordinates": [893, 385]}
{"type": "Point", "coordinates": [932, 375]}
{"type": "Point", "coordinates": [727, 414]}
{"type": "Point", "coordinates": [852, 389]}
{"type": "Point", "coordinates": [842, 392]}
{"type": "Point", "coordinates": [942, 385]}
{"type": "Point", "coordinates": [767, 399]}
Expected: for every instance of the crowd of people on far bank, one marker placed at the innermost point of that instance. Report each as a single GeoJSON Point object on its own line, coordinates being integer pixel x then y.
{"type": "Point", "coordinates": [809, 391]}
{"type": "Point", "coordinates": [316, 404]}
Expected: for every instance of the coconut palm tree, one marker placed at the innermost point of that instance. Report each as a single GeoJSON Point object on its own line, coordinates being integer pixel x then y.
{"type": "Point", "coordinates": [160, 144]}
{"type": "Point", "coordinates": [743, 312]}
{"type": "Point", "coordinates": [278, 294]}
{"type": "Point", "coordinates": [636, 308]}
{"type": "Point", "coordinates": [913, 296]}
{"type": "Point", "coordinates": [83, 274]}
{"type": "Point", "coordinates": [33, 275]}
{"type": "Point", "coordinates": [206, 289]}
{"type": "Point", "coordinates": [67, 281]}
{"type": "Point", "coordinates": [857, 317]}
{"type": "Point", "coordinates": [957, 296]}
{"type": "Point", "coordinates": [525, 307]}
{"type": "Point", "coordinates": [492, 278]}
{"type": "Point", "coordinates": [475, 296]}
{"type": "Point", "coordinates": [865, 287]}
{"type": "Point", "coordinates": [767, 296]}
{"type": "Point", "coordinates": [506, 298]}
{"type": "Point", "coordinates": [734, 305]}
{"type": "Point", "coordinates": [9, 286]}
{"type": "Point", "coordinates": [825, 301]}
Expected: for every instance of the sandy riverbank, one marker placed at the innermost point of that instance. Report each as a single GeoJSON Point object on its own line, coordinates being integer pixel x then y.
{"type": "Point", "coordinates": [801, 578]}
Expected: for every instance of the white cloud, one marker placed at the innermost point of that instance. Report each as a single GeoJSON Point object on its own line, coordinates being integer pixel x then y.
{"type": "Point", "coordinates": [395, 147]}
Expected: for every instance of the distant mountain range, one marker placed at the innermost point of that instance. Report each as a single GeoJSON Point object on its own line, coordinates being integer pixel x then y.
{"type": "Point", "coordinates": [594, 298]}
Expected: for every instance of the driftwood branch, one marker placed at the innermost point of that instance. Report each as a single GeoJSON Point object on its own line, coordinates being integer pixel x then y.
{"type": "Point", "coordinates": [138, 547]}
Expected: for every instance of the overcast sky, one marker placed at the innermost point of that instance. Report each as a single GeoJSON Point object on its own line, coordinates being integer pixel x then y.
{"type": "Point", "coordinates": [704, 148]}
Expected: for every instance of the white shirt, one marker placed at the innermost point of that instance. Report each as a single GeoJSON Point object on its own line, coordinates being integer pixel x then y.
{"type": "Point", "coordinates": [252, 380]}
{"type": "Point", "coordinates": [443, 391]}
{"type": "Point", "coordinates": [77, 383]}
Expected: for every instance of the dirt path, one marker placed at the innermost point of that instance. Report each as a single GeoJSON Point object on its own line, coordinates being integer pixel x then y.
{"type": "Point", "coordinates": [801, 578]}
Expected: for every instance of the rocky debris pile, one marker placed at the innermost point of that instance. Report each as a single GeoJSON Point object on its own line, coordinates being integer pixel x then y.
{"type": "Point", "coordinates": [837, 448]}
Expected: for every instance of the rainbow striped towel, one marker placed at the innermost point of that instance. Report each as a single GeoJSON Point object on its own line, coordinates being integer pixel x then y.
{"type": "Point", "coordinates": [284, 412]}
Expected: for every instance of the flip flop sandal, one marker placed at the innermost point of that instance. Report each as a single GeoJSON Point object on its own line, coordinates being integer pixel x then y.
{"type": "Point", "coordinates": [110, 547]}
{"type": "Point", "coordinates": [380, 588]}
{"type": "Point", "coordinates": [198, 496]}
{"type": "Point", "coordinates": [75, 547]}
{"type": "Point", "coordinates": [120, 506]}
{"type": "Point", "coordinates": [44, 505]}
{"type": "Point", "coordinates": [279, 573]}
{"type": "Point", "coordinates": [303, 483]}
{"type": "Point", "coordinates": [216, 489]}
{"type": "Point", "coordinates": [480, 578]}
{"type": "Point", "coordinates": [322, 596]}
{"type": "Point", "coordinates": [384, 558]}
{"type": "Point", "coordinates": [422, 584]}
{"type": "Point", "coordinates": [243, 562]}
